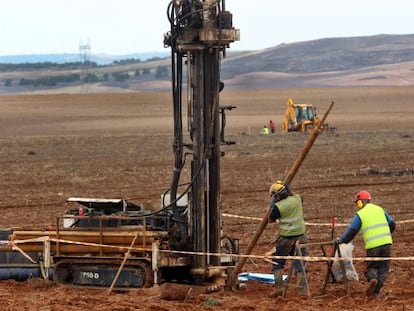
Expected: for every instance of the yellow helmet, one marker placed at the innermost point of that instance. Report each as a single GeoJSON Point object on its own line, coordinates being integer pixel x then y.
{"type": "Point", "coordinates": [277, 187]}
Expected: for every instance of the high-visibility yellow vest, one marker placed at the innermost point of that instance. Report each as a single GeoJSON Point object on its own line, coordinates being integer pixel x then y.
{"type": "Point", "coordinates": [375, 229]}
{"type": "Point", "coordinates": [265, 131]}
{"type": "Point", "coordinates": [291, 216]}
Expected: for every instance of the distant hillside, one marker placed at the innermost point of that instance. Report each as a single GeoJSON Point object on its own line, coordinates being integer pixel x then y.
{"type": "Point", "coordinates": [325, 55]}
{"type": "Point", "coordinates": [356, 61]}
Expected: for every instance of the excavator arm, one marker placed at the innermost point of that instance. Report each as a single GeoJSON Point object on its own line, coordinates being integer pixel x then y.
{"type": "Point", "coordinates": [289, 122]}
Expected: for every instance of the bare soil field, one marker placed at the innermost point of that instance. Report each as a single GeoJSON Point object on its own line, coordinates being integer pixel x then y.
{"type": "Point", "coordinates": [120, 146]}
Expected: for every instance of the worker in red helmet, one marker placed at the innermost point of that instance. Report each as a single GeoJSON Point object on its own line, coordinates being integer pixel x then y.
{"type": "Point", "coordinates": [376, 226]}
{"type": "Point", "coordinates": [286, 206]}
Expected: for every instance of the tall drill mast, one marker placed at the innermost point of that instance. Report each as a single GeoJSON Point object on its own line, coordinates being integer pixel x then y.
{"type": "Point", "coordinates": [200, 32]}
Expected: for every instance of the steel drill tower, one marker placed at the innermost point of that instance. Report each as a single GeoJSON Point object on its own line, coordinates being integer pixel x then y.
{"type": "Point", "coordinates": [200, 33]}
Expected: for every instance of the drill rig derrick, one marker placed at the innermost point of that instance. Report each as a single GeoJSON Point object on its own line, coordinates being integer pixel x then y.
{"type": "Point", "coordinates": [200, 33]}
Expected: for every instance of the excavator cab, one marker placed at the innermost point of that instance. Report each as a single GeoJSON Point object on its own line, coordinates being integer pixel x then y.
{"type": "Point", "coordinates": [299, 117]}
{"type": "Point", "coordinates": [305, 117]}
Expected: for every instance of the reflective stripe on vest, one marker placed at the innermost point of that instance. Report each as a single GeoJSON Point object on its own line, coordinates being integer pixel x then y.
{"type": "Point", "coordinates": [291, 216]}
{"type": "Point", "coordinates": [375, 228]}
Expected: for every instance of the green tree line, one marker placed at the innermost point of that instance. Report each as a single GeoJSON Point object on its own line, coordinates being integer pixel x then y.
{"type": "Point", "coordinates": [50, 81]}
{"type": "Point", "coordinates": [4, 67]}
{"type": "Point", "coordinates": [67, 65]}
{"type": "Point", "coordinates": [159, 73]}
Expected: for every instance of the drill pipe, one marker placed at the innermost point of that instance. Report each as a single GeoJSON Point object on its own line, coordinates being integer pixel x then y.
{"type": "Point", "coordinates": [288, 180]}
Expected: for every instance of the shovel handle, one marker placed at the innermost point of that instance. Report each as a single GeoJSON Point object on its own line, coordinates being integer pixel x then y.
{"type": "Point", "coordinates": [333, 228]}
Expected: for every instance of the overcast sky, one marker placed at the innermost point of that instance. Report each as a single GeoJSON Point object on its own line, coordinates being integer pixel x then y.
{"type": "Point", "coordinates": [136, 26]}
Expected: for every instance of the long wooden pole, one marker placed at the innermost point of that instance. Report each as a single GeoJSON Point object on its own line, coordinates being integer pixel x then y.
{"type": "Point", "coordinates": [126, 256]}
{"type": "Point", "coordinates": [288, 180]}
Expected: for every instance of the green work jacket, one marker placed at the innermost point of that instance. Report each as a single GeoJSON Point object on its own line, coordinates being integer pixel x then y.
{"type": "Point", "coordinates": [291, 216]}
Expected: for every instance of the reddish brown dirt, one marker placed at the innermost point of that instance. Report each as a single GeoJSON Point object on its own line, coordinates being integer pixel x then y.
{"type": "Point", "coordinates": [120, 145]}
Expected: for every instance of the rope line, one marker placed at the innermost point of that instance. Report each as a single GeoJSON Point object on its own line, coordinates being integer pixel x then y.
{"type": "Point", "coordinates": [309, 223]}
{"type": "Point", "coordinates": [263, 257]}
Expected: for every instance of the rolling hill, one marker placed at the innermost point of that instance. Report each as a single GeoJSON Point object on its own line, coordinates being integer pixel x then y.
{"type": "Point", "coordinates": [329, 62]}
{"type": "Point", "coordinates": [374, 60]}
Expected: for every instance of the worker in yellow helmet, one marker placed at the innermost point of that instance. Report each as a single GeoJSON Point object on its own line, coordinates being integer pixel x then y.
{"type": "Point", "coordinates": [376, 226]}
{"type": "Point", "coordinates": [287, 208]}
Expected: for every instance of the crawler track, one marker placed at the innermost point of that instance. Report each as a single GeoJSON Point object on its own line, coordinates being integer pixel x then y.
{"type": "Point", "coordinates": [100, 273]}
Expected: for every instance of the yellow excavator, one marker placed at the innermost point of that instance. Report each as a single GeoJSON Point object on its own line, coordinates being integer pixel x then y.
{"type": "Point", "coordinates": [299, 117]}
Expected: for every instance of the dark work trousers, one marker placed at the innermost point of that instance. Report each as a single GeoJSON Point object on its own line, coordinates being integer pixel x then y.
{"type": "Point", "coordinates": [378, 269]}
{"type": "Point", "coordinates": [285, 246]}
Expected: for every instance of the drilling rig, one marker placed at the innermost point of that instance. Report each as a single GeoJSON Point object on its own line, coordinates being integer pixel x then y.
{"type": "Point", "coordinates": [199, 35]}
{"type": "Point", "coordinates": [116, 243]}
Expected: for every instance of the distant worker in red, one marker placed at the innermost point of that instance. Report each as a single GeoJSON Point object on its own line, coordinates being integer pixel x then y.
{"type": "Point", "coordinates": [272, 126]}
{"type": "Point", "coordinates": [376, 226]}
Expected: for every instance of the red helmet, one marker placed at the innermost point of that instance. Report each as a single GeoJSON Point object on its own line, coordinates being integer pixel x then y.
{"type": "Point", "coordinates": [362, 195]}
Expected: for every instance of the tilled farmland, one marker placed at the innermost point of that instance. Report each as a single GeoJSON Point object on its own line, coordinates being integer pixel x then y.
{"type": "Point", "coordinates": [120, 146]}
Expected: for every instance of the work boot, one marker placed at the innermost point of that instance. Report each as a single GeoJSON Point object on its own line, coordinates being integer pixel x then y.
{"type": "Point", "coordinates": [377, 291]}
{"type": "Point", "coordinates": [279, 284]}
{"type": "Point", "coordinates": [302, 284]}
{"type": "Point", "coordinates": [371, 288]}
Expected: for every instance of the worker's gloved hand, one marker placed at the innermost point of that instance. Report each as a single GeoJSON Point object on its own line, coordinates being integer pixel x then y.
{"type": "Point", "coordinates": [338, 241]}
